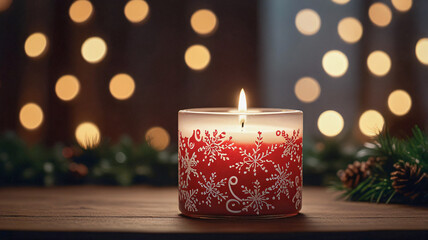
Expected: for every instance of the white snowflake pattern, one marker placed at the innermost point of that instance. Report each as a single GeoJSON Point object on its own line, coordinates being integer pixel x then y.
{"type": "Point", "coordinates": [215, 146]}
{"type": "Point", "coordinates": [255, 159]}
{"type": "Point", "coordinates": [297, 198]}
{"type": "Point", "coordinates": [189, 164]}
{"type": "Point", "coordinates": [256, 199]}
{"type": "Point", "coordinates": [290, 145]}
{"type": "Point", "coordinates": [190, 199]}
{"type": "Point", "coordinates": [211, 189]}
{"type": "Point", "coordinates": [282, 181]}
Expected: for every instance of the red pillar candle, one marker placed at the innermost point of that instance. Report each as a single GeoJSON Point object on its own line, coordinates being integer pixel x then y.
{"type": "Point", "coordinates": [240, 163]}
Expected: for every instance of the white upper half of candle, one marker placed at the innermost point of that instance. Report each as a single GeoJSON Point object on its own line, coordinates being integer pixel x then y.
{"type": "Point", "coordinates": [256, 120]}
{"type": "Point", "coordinates": [235, 111]}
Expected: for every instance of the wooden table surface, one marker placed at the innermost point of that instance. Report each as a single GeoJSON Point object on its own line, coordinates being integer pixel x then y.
{"type": "Point", "coordinates": [87, 212]}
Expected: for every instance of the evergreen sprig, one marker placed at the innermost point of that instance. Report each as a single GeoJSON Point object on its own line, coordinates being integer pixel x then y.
{"type": "Point", "coordinates": [124, 163]}
{"type": "Point", "coordinates": [378, 186]}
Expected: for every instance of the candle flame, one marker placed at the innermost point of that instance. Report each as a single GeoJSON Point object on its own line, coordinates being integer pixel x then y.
{"type": "Point", "coordinates": [242, 107]}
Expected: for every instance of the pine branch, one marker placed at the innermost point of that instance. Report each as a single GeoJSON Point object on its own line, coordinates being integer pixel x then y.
{"type": "Point", "coordinates": [378, 186]}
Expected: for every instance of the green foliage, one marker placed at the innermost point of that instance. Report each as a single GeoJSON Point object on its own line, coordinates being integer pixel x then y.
{"type": "Point", "coordinates": [124, 163]}
{"type": "Point", "coordinates": [323, 158]}
{"type": "Point", "coordinates": [378, 187]}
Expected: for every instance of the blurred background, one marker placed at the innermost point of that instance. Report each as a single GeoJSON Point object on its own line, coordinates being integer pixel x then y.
{"type": "Point", "coordinates": [90, 90]}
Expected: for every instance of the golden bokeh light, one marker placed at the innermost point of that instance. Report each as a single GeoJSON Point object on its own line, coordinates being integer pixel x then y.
{"type": "Point", "coordinates": [136, 10]}
{"type": "Point", "coordinates": [94, 49]}
{"type": "Point", "coordinates": [31, 116]}
{"type": "Point", "coordinates": [350, 30]}
{"type": "Point", "coordinates": [204, 22]}
{"type": "Point", "coordinates": [308, 22]}
{"type": "Point", "coordinates": [421, 50]}
{"type": "Point", "coordinates": [341, 2]}
{"type": "Point", "coordinates": [122, 86]}
{"type": "Point", "coordinates": [67, 87]}
{"type": "Point", "coordinates": [35, 45]}
{"type": "Point", "coordinates": [402, 5]}
{"type": "Point", "coordinates": [330, 123]}
{"type": "Point", "coordinates": [197, 57]}
{"type": "Point", "coordinates": [380, 14]}
{"type": "Point", "coordinates": [88, 135]}
{"type": "Point", "coordinates": [80, 11]}
{"type": "Point", "coordinates": [379, 63]}
{"type": "Point", "coordinates": [399, 102]}
{"type": "Point", "coordinates": [335, 63]}
{"type": "Point", "coordinates": [158, 138]}
{"type": "Point", "coordinates": [5, 4]}
{"type": "Point", "coordinates": [371, 123]}
{"type": "Point", "coordinates": [307, 89]}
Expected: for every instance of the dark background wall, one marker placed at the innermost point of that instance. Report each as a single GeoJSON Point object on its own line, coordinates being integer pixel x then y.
{"type": "Point", "coordinates": [256, 47]}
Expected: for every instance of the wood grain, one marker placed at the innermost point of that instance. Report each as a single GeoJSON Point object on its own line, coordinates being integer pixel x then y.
{"type": "Point", "coordinates": [105, 212]}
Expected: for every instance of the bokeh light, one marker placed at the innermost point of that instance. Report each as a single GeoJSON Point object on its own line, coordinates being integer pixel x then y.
{"type": "Point", "coordinates": [350, 30]}
{"type": "Point", "coordinates": [379, 63]}
{"type": "Point", "coordinates": [340, 2]}
{"type": "Point", "coordinates": [5, 4]}
{"type": "Point", "coordinates": [31, 116]}
{"type": "Point", "coordinates": [307, 89]}
{"type": "Point", "coordinates": [94, 49]}
{"type": "Point", "coordinates": [122, 86]}
{"type": "Point", "coordinates": [399, 102]}
{"type": "Point", "coordinates": [80, 11]}
{"type": "Point", "coordinates": [67, 87]}
{"type": "Point", "coordinates": [335, 63]}
{"type": "Point", "coordinates": [330, 123]}
{"type": "Point", "coordinates": [380, 14]}
{"type": "Point", "coordinates": [136, 10]}
{"type": "Point", "coordinates": [88, 135]}
{"type": "Point", "coordinates": [36, 44]}
{"type": "Point", "coordinates": [204, 22]}
{"type": "Point", "coordinates": [197, 57]}
{"type": "Point", "coordinates": [402, 5]}
{"type": "Point", "coordinates": [158, 138]}
{"type": "Point", "coordinates": [308, 22]}
{"type": "Point", "coordinates": [371, 123]}
{"type": "Point", "coordinates": [421, 50]}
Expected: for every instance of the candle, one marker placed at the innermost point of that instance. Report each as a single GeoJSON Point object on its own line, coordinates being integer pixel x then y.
{"type": "Point", "coordinates": [240, 162]}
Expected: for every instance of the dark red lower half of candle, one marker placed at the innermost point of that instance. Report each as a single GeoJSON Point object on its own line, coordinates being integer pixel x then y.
{"type": "Point", "coordinates": [218, 177]}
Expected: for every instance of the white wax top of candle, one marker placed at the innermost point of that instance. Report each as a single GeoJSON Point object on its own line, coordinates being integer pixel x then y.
{"type": "Point", "coordinates": [267, 121]}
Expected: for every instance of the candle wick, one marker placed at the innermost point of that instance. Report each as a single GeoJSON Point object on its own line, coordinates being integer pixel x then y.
{"type": "Point", "coordinates": [242, 124]}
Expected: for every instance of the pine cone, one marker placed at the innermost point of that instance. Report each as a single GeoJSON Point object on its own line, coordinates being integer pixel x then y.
{"type": "Point", "coordinates": [371, 162]}
{"type": "Point", "coordinates": [353, 175]}
{"type": "Point", "coordinates": [409, 180]}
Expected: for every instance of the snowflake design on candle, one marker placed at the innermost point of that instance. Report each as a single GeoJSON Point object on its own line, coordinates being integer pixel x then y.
{"type": "Point", "coordinates": [205, 186]}
{"type": "Point", "coordinates": [290, 145]}
{"type": "Point", "coordinates": [255, 159]}
{"type": "Point", "coordinates": [297, 198]}
{"type": "Point", "coordinates": [282, 181]}
{"type": "Point", "coordinates": [215, 146]}
{"type": "Point", "coordinates": [188, 164]}
{"type": "Point", "coordinates": [190, 199]}
{"type": "Point", "coordinates": [211, 189]}
{"type": "Point", "coordinates": [256, 199]}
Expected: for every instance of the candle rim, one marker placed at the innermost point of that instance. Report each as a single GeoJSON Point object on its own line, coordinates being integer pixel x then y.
{"type": "Point", "coordinates": [235, 112]}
